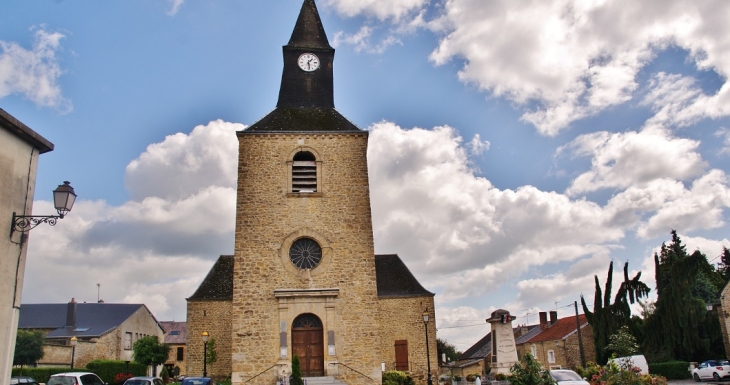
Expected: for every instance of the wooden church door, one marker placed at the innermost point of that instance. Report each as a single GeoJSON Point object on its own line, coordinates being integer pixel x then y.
{"type": "Point", "coordinates": [308, 344]}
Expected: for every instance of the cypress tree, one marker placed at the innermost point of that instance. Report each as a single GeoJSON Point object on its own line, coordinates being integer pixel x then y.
{"type": "Point", "coordinates": [681, 327]}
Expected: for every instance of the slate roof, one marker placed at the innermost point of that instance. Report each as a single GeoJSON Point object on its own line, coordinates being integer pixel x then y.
{"type": "Point", "coordinates": [218, 284]}
{"type": "Point", "coordinates": [175, 332]}
{"type": "Point", "coordinates": [303, 119]}
{"type": "Point", "coordinates": [395, 280]}
{"type": "Point", "coordinates": [92, 319]}
{"type": "Point", "coordinates": [484, 346]}
{"type": "Point", "coordinates": [308, 31]}
{"type": "Point", "coordinates": [560, 330]}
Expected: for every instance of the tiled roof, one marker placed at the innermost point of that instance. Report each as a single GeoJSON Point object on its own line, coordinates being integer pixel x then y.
{"type": "Point", "coordinates": [175, 332]}
{"type": "Point", "coordinates": [218, 284]}
{"type": "Point", "coordinates": [560, 330]}
{"type": "Point", "coordinates": [395, 280]}
{"type": "Point", "coordinates": [92, 319]}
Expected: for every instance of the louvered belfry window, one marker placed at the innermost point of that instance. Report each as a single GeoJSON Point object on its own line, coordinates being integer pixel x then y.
{"type": "Point", "coordinates": [304, 173]}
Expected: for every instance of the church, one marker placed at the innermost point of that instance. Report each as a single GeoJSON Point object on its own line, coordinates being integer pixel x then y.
{"type": "Point", "coordinates": [304, 279]}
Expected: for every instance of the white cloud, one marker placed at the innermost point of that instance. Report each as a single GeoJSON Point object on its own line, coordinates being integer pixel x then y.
{"type": "Point", "coordinates": [361, 41]}
{"type": "Point", "coordinates": [621, 160]}
{"type": "Point", "coordinates": [383, 10]}
{"type": "Point", "coordinates": [724, 134]}
{"type": "Point", "coordinates": [577, 58]}
{"type": "Point", "coordinates": [33, 73]}
{"type": "Point", "coordinates": [174, 6]}
{"type": "Point", "coordinates": [158, 246]}
{"type": "Point", "coordinates": [183, 165]}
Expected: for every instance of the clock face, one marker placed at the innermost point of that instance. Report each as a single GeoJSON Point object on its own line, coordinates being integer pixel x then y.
{"type": "Point", "coordinates": [308, 62]}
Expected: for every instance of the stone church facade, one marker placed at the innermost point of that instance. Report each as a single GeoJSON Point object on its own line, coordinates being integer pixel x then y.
{"type": "Point", "coordinates": [304, 279]}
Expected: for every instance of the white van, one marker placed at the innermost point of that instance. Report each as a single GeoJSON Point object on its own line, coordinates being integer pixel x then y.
{"type": "Point", "coordinates": [639, 361]}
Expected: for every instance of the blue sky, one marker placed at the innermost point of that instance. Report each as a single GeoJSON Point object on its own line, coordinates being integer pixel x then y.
{"type": "Point", "coordinates": [517, 147]}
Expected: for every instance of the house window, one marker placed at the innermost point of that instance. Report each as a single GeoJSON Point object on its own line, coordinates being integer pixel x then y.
{"type": "Point", "coordinates": [533, 350]}
{"type": "Point", "coordinates": [551, 356]}
{"type": "Point", "coordinates": [304, 173]}
{"type": "Point", "coordinates": [128, 341]}
{"type": "Point", "coordinates": [180, 353]}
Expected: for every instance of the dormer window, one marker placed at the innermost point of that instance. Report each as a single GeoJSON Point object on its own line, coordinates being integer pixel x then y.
{"type": "Point", "coordinates": [304, 173]}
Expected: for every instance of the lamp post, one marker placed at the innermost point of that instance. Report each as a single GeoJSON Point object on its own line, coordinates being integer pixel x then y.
{"type": "Point", "coordinates": [63, 199]}
{"type": "Point", "coordinates": [205, 353]}
{"type": "Point", "coordinates": [428, 356]}
{"type": "Point", "coordinates": [74, 340]}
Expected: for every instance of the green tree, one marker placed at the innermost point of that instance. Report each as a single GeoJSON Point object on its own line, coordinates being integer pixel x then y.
{"type": "Point", "coordinates": [724, 266]}
{"type": "Point", "coordinates": [28, 348]}
{"type": "Point", "coordinates": [211, 355]}
{"type": "Point", "coordinates": [149, 351]}
{"type": "Point", "coordinates": [529, 372]}
{"type": "Point", "coordinates": [622, 343]}
{"type": "Point", "coordinates": [681, 328]}
{"type": "Point", "coordinates": [444, 347]}
{"type": "Point", "coordinates": [296, 372]}
{"type": "Point", "coordinates": [607, 318]}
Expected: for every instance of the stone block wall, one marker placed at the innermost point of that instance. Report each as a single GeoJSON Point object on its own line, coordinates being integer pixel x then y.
{"type": "Point", "coordinates": [337, 216]}
{"type": "Point", "coordinates": [215, 318]}
{"type": "Point", "coordinates": [402, 319]}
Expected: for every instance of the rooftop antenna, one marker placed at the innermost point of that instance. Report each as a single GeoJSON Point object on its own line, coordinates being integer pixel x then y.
{"type": "Point", "coordinates": [98, 293]}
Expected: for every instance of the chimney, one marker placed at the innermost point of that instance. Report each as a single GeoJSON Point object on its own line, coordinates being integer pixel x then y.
{"type": "Point", "coordinates": [543, 320]}
{"type": "Point", "coordinates": [71, 313]}
{"type": "Point", "coordinates": [553, 317]}
{"type": "Point", "coordinates": [524, 330]}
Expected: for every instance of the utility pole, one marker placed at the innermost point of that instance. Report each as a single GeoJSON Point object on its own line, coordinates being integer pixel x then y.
{"type": "Point", "coordinates": [580, 337]}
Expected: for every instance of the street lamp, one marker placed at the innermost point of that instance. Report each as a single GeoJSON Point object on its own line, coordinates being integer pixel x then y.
{"type": "Point", "coordinates": [74, 340]}
{"type": "Point", "coordinates": [205, 353]}
{"type": "Point", "coordinates": [63, 199]}
{"type": "Point", "coordinates": [428, 356]}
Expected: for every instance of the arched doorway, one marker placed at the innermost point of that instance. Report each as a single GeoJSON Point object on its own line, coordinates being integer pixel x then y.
{"type": "Point", "coordinates": [308, 344]}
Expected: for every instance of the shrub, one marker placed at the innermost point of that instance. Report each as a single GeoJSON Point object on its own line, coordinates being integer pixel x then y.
{"type": "Point", "coordinates": [164, 374]}
{"type": "Point", "coordinates": [107, 370]}
{"type": "Point", "coordinates": [613, 374]}
{"type": "Point", "coordinates": [42, 374]}
{"type": "Point", "coordinates": [121, 377]}
{"type": "Point", "coordinates": [394, 377]}
{"type": "Point", "coordinates": [471, 377]}
{"type": "Point", "coordinates": [296, 372]}
{"type": "Point", "coordinates": [672, 370]}
{"type": "Point", "coordinates": [500, 377]}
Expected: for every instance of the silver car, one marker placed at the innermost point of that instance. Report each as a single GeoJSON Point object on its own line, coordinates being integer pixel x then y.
{"type": "Point", "coordinates": [567, 377]}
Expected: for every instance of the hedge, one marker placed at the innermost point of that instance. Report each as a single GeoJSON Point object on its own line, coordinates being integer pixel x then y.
{"type": "Point", "coordinates": [105, 369]}
{"type": "Point", "coordinates": [108, 369]}
{"type": "Point", "coordinates": [672, 370]}
{"type": "Point", "coordinates": [42, 374]}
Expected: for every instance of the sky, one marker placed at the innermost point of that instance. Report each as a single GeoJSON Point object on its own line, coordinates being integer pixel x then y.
{"type": "Point", "coordinates": [516, 147]}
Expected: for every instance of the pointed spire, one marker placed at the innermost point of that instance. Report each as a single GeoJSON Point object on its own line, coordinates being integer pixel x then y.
{"type": "Point", "coordinates": [309, 32]}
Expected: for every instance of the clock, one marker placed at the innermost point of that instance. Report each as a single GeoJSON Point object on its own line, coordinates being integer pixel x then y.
{"type": "Point", "coordinates": [308, 62]}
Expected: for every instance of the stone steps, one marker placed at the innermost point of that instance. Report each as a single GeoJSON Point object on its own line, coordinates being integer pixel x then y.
{"type": "Point", "coordinates": [327, 380]}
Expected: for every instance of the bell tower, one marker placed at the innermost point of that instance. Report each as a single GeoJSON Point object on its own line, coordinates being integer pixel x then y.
{"type": "Point", "coordinates": [304, 274]}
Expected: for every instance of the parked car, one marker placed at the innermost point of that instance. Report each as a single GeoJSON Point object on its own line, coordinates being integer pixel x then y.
{"type": "Point", "coordinates": [22, 380]}
{"type": "Point", "coordinates": [75, 378]}
{"type": "Point", "coordinates": [144, 381]}
{"type": "Point", "coordinates": [638, 361]}
{"type": "Point", "coordinates": [198, 381]}
{"type": "Point", "coordinates": [567, 377]}
{"type": "Point", "coordinates": [712, 370]}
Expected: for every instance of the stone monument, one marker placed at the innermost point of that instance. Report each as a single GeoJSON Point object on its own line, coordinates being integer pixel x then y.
{"type": "Point", "coordinates": [504, 350]}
